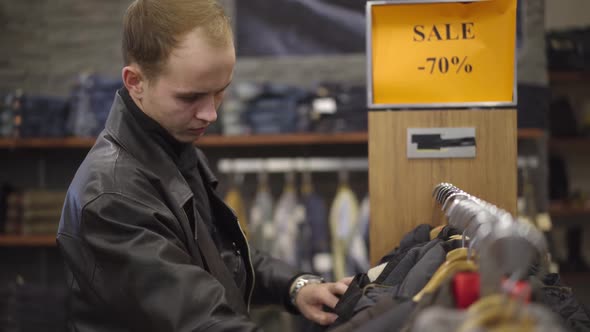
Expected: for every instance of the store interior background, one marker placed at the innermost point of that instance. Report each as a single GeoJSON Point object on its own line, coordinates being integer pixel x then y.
{"type": "Point", "coordinates": [46, 44]}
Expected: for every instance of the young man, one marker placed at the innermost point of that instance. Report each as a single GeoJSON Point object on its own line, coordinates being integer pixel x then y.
{"type": "Point", "coordinates": [148, 243]}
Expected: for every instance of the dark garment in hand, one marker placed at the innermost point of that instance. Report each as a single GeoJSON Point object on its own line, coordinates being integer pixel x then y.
{"type": "Point", "coordinates": [425, 268]}
{"type": "Point", "coordinates": [345, 306]}
{"type": "Point", "coordinates": [420, 234]}
{"type": "Point", "coordinates": [561, 300]}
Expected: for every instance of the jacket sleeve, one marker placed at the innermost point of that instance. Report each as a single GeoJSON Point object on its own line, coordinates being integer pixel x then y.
{"type": "Point", "coordinates": [273, 280]}
{"type": "Point", "coordinates": [145, 275]}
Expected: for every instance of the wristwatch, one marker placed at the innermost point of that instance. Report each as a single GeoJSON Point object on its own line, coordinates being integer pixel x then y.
{"type": "Point", "coordinates": [300, 282]}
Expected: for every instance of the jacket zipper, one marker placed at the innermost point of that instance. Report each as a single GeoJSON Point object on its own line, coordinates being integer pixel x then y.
{"type": "Point", "coordinates": [249, 263]}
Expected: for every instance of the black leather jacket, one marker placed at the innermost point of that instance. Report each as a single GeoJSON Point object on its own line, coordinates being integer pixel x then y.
{"type": "Point", "coordinates": [132, 259]}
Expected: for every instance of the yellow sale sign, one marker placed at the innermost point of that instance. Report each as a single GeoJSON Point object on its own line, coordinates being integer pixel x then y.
{"type": "Point", "coordinates": [442, 54]}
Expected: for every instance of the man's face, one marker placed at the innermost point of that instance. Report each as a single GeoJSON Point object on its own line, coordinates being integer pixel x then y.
{"type": "Point", "coordinates": [185, 97]}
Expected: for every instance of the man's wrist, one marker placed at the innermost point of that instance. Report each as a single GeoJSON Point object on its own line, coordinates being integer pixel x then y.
{"type": "Point", "coordinates": [299, 283]}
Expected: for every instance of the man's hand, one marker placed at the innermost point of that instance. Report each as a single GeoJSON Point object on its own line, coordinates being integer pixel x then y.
{"type": "Point", "coordinates": [312, 297]}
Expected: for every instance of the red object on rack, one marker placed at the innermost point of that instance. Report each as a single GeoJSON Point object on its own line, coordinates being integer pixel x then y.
{"type": "Point", "coordinates": [466, 289]}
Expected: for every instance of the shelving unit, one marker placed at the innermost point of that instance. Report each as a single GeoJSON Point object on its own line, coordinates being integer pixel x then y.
{"type": "Point", "coordinates": [27, 241]}
{"type": "Point", "coordinates": [563, 210]}
{"type": "Point", "coordinates": [227, 141]}
{"type": "Point", "coordinates": [569, 76]}
{"type": "Point", "coordinates": [205, 141]}
{"type": "Point", "coordinates": [294, 140]}
{"type": "Point", "coordinates": [574, 144]}
{"type": "Point", "coordinates": [556, 209]}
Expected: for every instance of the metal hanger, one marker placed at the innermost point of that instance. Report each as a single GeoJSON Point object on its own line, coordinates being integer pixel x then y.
{"type": "Point", "coordinates": [438, 188]}
{"type": "Point", "coordinates": [493, 233]}
{"type": "Point", "coordinates": [446, 192]}
{"type": "Point", "coordinates": [453, 196]}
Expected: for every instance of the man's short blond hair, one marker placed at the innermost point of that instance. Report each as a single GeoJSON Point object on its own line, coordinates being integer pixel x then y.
{"type": "Point", "coordinates": [153, 28]}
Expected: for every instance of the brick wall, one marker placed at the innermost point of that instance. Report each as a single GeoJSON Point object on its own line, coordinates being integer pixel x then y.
{"type": "Point", "coordinates": [45, 43]}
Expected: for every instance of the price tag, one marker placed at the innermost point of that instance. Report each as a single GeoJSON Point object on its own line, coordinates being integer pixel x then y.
{"type": "Point", "coordinates": [441, 54]}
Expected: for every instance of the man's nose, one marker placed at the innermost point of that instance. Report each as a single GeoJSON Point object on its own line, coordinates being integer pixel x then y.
{"type": "Point", "coordinates": [208, 112]}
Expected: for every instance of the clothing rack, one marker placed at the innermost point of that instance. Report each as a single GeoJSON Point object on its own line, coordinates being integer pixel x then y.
{"type": "Point", "coordinates": [284, 165]}
{"type": "Point", "coordinates": [505, 245]}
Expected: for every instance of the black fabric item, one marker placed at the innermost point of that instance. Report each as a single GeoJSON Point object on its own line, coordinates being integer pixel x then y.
{"type": "Point", "coordinates": [397, 312]}
{"type": "Point", "coordinates": [372, 294]}
{"type": "Point", "coordinates": [182, 154]}
{"type": "Point", "coordinates": [194, 178]}
{"type": "Point", "coordinates": [389, 321]}
{"type": "Point", "coordinates": [302, 324]}
{"type": "Point", "coordinates": [558, 178]}
{"type": "Point", "coordinates": [398, 273]}
{"type": "Point", "coordinates": [5, 190]}
{"type": "Point", "coordinates": [424, 269]}
{"type": "Point", "coordinates": [413, 247]}
{"type": "Point", "coordinates": [124, 227]}
{"type": "Point", "coordinates": [447, 232]}
{"type": "Point", "coordinates": [172, 147]}
{"type": "Point", "coordinates": [401, 314]}
{"type": "Point", "coordinates": [218, 269]}
{"type": "Point", "coordinates": [561, 300]}
{"type": "Point", "coordinates": [185, 157]}
{"type": "Point", "coordinates": [386, 282]}
{"type": "Point", "coordinates": [562, 119]}
{"type": "Point", "coordinates": [411, 275]}
{"type": "Point", "coordinates": [533, 106]}
{"type": "Point", "coordinates": [442, 296]}
{"type": "Point", "coordinates": [420, 234]}
{"type": "Point", "coordinates": [345, 306]}
{"type": "Point", "coordinates": [403, 268]}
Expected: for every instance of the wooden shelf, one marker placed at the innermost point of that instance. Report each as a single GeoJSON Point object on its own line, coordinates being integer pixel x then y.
{"type": "Point", "coordinates": [580, 144]}
{"type": "Point", "coordinates": [206, 141]}
{"type": "Point", "coordinates": [47, 143]}
{"type": "Point", "coordinates": [556, 209]}
{"type": "Point", "coordinates": [569, 76]}
{"type": "Point", "coordinates": [218, 141]}
{"type": "Point", "coordinates": [560, 209]}
{"type": "Point", "coordinates": [27, 241]}
{"type": "Point", "coordinates": [530, 133]}
{"type": "Point", "coordinates": [279, 140]}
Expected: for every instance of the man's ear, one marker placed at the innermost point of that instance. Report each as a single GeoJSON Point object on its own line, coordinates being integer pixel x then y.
{"type": "Point", "coordinates": [134, 81]}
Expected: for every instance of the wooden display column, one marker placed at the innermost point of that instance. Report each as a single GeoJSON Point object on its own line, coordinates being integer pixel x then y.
{"type": "Point", "coordinates": [401, 188]}
{"type": "Point", "coordinates": [446, 70]}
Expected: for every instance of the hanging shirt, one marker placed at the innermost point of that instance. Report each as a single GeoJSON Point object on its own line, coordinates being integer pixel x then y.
{"type": "Point", "coordinates": [315, 231]}
{"type": "Point", "coordinates": [358, 254]}
{"type": "Point", "coordinates": [287, 217]}
{"type": "Point", "coordinates": [233, 199]}
{"type": "Point", "coordinates": [260, 225]}
{"type": "Point", "coordinates": [343, 225]}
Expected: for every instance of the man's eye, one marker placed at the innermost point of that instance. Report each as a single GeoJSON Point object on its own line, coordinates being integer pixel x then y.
{"type": "Point", "coordinates": [188, 99]}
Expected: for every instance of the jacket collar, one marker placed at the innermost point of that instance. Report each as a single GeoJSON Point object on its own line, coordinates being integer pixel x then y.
{"type": "Point", "coordinates": [134, 139]}
{"type": "Point", "coordinates": [208, 175]}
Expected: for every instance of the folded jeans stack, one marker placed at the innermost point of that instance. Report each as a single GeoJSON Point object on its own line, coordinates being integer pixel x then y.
{"type": "Point", "coordinates": [33, 212]}
{"type": "Point", "coordinates": [43, 116]}
{"type": "Point", "coordinates": [91, 101]}
{"type": "Point", "coordinates": [569, 49]}
{"type": "Point", "coordinates": [277, 109]}
{"type": "Point", "coordinates": [350, 113]}
{"type": "Point", "coordinates": [8, 109]}
{"type": "Point", "coordinates": [31, 307]}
